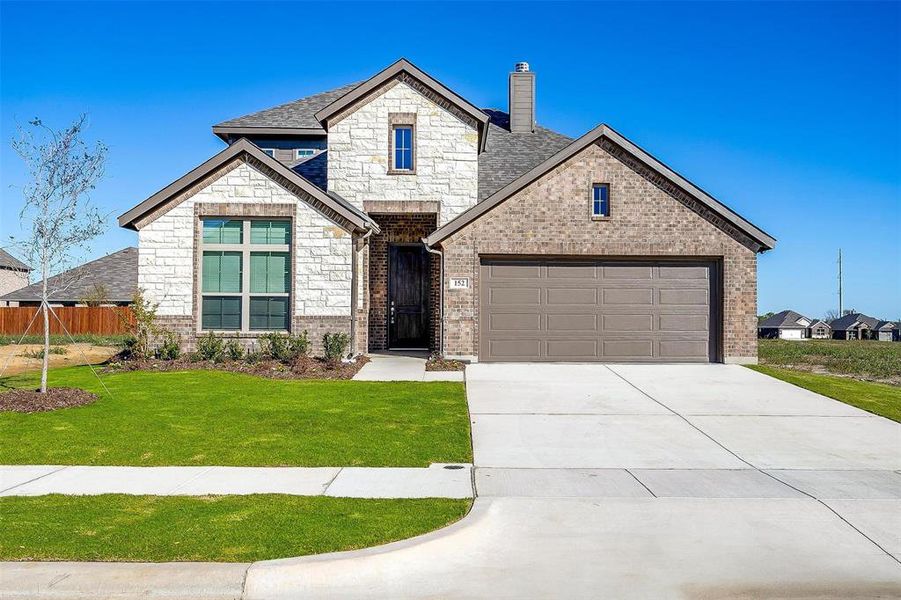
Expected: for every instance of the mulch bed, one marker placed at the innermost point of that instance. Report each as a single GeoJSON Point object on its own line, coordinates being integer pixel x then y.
{"type": "Point", "coordinates": [30, 401]}
{"type": "Point", "coordinates": [443, 364]}
{"type": "Point", "coordinates": [306, 367]}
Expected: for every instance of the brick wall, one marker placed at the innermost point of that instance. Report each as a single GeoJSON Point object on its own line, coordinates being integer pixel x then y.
{"type": "Point", "coordinates": [552, 217]}
{"type": "Point", "coordinates": [397, 229]}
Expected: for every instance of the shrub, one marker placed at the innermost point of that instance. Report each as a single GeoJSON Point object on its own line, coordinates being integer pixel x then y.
{"type": "Point", "coordinates": [284, 348]}
{"type": "Point", "coordinates": [334, 345]}
{"type": "Point", "coordinates": [170, 349]}
{"type": "Point", "coordinates": [234, 350]}
{"type": "Point", "coordinates": [252, 357]}
{"type": "Point", "coordinates": [143, 327]}
{"type": "Point", "coordinates": [209, 347]}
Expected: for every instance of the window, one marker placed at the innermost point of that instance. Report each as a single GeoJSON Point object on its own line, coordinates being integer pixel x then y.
{"type": "Point", "coordinates": [269, 151]}
{"type": "Point", "coordinates": [403, 148]}
{"type": "Point", "coordinates": [245, 278]}
{"type": "Point", "coordinates": [600, 200]}
{"type": "Point", "coordinates": [304, 152]}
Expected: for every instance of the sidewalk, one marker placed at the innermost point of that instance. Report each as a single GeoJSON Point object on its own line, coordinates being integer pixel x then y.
{"type": "Point", "coordinates": [435, 481]}
{"type": "Point", "coordinates": [402, 366]}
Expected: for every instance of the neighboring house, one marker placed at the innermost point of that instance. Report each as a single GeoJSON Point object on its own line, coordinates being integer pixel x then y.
{"type": "Point", "coordinates": [397, 211]}
{"type": "Point", "coordinates": [857, 326]}
{"type": "Point", "coordinates": [786, 325]}
{"type": "Point", "coordinates": [13, 274]}
{"type": "Point", "coordinates": [111, 280]}
{"type": "Point", "coordinates": [819, 330]}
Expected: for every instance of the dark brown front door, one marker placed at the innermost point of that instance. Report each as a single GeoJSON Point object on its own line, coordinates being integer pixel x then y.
{"type": "Point", "coordinates": [408, 296]}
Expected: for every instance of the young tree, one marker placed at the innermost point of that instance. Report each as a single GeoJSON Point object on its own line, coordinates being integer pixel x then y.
{"type": "Point", "coordinates": [57, 217]}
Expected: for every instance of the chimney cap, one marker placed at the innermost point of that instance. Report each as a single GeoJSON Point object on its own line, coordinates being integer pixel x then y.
{"type": "Point", "coordinates": [521, 67]}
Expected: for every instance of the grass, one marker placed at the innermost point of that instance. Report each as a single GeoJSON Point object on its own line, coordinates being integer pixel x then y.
{"type": "Point", "coordinates": [220, 418]}
{"type": "Point", "coordinates": [862, 359]}
{"type": "Point", "coordinates": [877, 398]}
{"type": "Point", "coordinates": [61, 340]}
{"type": "Point", "coordinates": [117, 527]}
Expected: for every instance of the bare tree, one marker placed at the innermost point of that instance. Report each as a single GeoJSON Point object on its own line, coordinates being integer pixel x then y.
{"type": "Point", "coordinates": [831, 315]}
{"type": "Point", "coordinates": [57, 217]}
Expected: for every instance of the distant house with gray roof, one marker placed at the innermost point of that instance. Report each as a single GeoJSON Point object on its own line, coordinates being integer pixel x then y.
{"type": "Point", "coordinates": [13, 274]}
{"type": "Point", "coordinates": [858, 326]}
{"type": "Point", "coordinates": [786, 325]}
{"type": "Point", "coordinates": [110, 280]}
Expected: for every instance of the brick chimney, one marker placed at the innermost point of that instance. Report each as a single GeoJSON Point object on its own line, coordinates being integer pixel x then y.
{"type": "Point", "coordinates": [522, 99]}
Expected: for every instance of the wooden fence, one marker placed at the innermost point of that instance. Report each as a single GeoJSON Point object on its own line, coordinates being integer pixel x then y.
{"type": "Point", "coordinates": [99, 320]}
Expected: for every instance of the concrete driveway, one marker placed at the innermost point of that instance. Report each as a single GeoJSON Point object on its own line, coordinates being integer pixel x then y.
{"type": "Point", "coordinates": [626, 481]}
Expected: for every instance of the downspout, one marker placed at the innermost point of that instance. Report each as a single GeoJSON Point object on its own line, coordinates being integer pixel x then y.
{"type": "Point", "coordinates": [354, 287]}
{"type": "Point", "coordinates": [440, 295]}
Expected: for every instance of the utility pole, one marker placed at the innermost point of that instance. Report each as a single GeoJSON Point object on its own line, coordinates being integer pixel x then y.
{"type": "Point", "coordinates": [840, 306]}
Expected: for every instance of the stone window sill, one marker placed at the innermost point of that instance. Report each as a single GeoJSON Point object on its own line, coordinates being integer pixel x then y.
{"type": "Point", "coordinates": [401, 171]}
{"type": "Point", "coordinates": [596, 218]}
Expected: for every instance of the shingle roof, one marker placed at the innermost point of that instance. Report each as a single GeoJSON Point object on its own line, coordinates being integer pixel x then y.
{"type": "Point", "coordinates": [846, 322]}
{"type": "Point", "coordinates": [509, 155]}
{"type": "Point", "coordinates": [296, 114]}
{"type": "Point", "coordinates": [116, 272]}
{"type": "Point", "coordinates": [10, 262]}
{"type": "Point", "coordinates": [787, 319]}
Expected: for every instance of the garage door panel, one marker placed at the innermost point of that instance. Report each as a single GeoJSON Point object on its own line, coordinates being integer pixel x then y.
{"type": "Point", "coordinates": [514, 322]}
{"type": "Point", "coordinates": [627, 323]}
{"type": "Point", "coordinates": [507, 296]}
{"type": "Point", "coordinates": [554, 310]}
{"type": "Point", "coordinates": [564, 349]}
{"type": "Point", "coordinates": [627, 272]}
{"type": "Point", "coordinates": [643, 296]}
{"type": "Point", "coordinates": [572, 296]}
{"type": "Point", "coordinates": [570, 322]}
{"type": "Point", "coordinates": [682, 322]}
{"type": "Point", "coordinates": [690, 297]}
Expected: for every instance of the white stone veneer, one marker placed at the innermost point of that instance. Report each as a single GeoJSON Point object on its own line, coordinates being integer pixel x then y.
{"type": "Point", "coordinates": [446, 159]}
{"type": "Point", "coordinates": [322, 283]}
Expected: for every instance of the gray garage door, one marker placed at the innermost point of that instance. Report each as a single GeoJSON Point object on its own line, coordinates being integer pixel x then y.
{"type": "Point", "coordinates": [546, 310]}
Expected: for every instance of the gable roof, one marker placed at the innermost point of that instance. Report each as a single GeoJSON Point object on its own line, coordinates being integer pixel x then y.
{"type": "Point", "coordinates": [116, 272]}
{"type": "Point", "coordinates": [849, 321]}
{"type": "Point", "coordinates": [372, 84]}
{"type": "Point", "coordinates": [243, 146]}
{"type": "Point", "coordinates": [763, 239]}
{"type": "Point", "coordinates": [11, 263]}
{"type": "Point", "coordinates": [786, 319]}
{"type": "Point", "coordinates": [818, 322]}
{"type": "Point", "coordinates": [291, 118]}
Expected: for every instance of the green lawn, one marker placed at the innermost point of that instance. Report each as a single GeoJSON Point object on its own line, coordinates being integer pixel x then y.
{"type": "Point", "coordinates": [878, 398]}
{"type": "Point", "coordinates": [219, 418]}
{"type": "Point", "coordinates": [214, 528]}
{"type": "Point", "coordinates": [865, 359]}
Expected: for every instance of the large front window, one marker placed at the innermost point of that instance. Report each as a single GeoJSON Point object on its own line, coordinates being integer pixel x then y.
{"type": "Point", "coordinates": [246, 275]}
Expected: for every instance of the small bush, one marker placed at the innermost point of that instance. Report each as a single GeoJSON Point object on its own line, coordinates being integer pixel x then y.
{"type": "Point", "coordinates": [170, 349]}
{"type": "Point", "coordinates": [252, 357]}
{"type": "Point", "coordinates": [210, 347]}
{"type": "Point", "coordinates": [284, 348]}
{"type": "Point", "coordinates": [234, 350]}
{"type": "Point", "coordinates": [40, 353]}
{"type": "Point", "coordinates": [334, 345]}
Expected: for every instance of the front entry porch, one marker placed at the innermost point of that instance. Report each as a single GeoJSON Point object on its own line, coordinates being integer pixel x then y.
{"type": "Point", "coordinates": [404, 284]}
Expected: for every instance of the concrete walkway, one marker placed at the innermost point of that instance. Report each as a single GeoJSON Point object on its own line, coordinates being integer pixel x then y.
{"type": "Point", "coordinates": [436, 481]}
{"type": "Point", "coordinates": [402, 366]}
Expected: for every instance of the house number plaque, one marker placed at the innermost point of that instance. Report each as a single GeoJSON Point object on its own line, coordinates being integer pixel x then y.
{"type": "Point", "coordinates": [459, 283]}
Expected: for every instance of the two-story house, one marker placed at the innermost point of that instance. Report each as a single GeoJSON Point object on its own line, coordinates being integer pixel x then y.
{"type": "Point", "coordinates": [397, 211]}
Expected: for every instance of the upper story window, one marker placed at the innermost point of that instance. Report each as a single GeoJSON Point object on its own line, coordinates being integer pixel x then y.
{"type": "Point", "coordinates": [245, 275]}
{"type": "Point", "coordinates": [600, 200]}
{"type": "Point", "coordinates": [269, 151]}
{"type": "Point", "coordinates": [403, 148]}
{"type": "Point", "coordinates": [304, 152]}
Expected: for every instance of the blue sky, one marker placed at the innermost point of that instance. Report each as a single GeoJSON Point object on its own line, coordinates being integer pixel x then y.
{"type": "Point", "coordinates": [788, 113]}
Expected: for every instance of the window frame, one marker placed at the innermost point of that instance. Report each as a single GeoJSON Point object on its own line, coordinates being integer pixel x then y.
{"type": "Point", "coordinates": [591, 211]}
{"type": "Point", "coordinates": [401, 121]}
{"type": "Point", "coordinates": [247, 249]}
{"type": "Point", "coordinates": [298, 155]}
{"type": "Point", "coordinates": [269, 152]}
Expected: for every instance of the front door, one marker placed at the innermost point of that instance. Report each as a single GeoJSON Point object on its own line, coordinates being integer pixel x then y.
{"type": "Point", "coordinates": [408, 296]}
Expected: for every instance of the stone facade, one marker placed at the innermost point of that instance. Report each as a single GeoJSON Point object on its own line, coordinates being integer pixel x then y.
{"type": "Point", "coordinates": [552, 217]}
{"type": "Point", "coordinates": [398, 229]}
{"type": "Point", "coordinates": [12, 280]}
{"type": "Point", "coordinates": [445, 159]}
{"type": "Point", "coordinates": [168, 269]}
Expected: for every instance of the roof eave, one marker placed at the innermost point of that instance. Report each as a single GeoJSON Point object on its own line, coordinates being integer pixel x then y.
{"type": "Point", "coordinates": [226, 132]}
